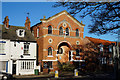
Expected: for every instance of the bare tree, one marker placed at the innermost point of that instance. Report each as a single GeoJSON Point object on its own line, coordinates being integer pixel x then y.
{"type": "Point", "coordinates": [105, 15]}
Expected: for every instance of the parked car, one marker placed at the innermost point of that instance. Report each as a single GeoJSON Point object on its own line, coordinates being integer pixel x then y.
{"type": "Point", "coordinates": [5, 76]}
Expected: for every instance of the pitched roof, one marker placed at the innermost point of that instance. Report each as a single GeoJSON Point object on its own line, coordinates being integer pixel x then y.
{"type": "Point", "coordinates": [100, 41]}
{"type": "Point", "coordinates": [60, 13]}
{"type": "Point", "coordinates": [11, 34]}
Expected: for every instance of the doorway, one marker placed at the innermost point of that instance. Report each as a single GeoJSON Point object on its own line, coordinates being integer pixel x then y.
{"type": "Point", "coordinates": [14, 67]}
{"type": "Point", "coordinates": [69, 55]}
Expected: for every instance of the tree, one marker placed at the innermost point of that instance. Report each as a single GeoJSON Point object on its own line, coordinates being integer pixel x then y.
{"type": "Point", "coordinates": [91, 55]}
{"type": "Point", "coordinates": [105, 15]}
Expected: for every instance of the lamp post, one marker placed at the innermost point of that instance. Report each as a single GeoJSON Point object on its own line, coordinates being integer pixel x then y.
{"type": "Point", "coordinates": [116, 59]}
{"type": "Point", "coordinates": [117, 56]}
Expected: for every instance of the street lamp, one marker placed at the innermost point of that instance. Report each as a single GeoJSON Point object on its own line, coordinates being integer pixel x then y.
{"type": "Point", "coordinates": [116, 59]}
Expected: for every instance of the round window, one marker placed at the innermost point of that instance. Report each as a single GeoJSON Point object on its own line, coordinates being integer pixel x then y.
{"type": "Point", "coordinates": [50, 40]}
{"type": "Point", "coordinates": [77, 42]}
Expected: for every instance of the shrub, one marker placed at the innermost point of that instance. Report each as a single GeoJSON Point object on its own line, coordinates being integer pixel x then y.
{"type": "Point", "coordinates": [66, 66]}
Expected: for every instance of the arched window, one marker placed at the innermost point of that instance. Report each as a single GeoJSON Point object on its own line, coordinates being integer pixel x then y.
{"type": "Point", "coordinates": [49, 51]}
{"type": "Point", "coordinates": [77, 32]}
{"type": "Point", "coordinates": [77, 52]}
{"type": "Point", "coordinates": [67, 31]}
{"type": "Point", "coordinates": [101, 47]}
{"type": "Point", "coordinates": [110, 48]}
{"type": "Point", "coordinates": [37, 32]}
{"type": "Point", "coordinates": [60, 31]}
{"type": "Point", "coordinates": [49, 29]}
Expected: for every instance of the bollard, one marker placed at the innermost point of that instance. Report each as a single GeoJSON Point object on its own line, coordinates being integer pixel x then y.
{"type": "Point", "coordinates": [56, 74]}
{"type": "Point", "coordinates": [75, 72]}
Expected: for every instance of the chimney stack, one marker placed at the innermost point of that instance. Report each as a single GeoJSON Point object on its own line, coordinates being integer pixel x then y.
{"type": "Point", "coordinates": [6, 22]}
{"type": "Point", "coordinates": [27, 23]}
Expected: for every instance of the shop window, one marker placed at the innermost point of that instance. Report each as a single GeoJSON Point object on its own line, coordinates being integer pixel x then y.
{"type": "Point", "coordinates": [49, 29]}
{"type": "Point", "coordinates": [60, 31]}
{"type": "Point", "coordinates": [27, 65]}
{"type": "Point", "coordinates": [23, 65]}
{"type": "Point", "coordinates": [3, 66]}
{"type": "Point", "coordinates": [33, 65]}
{"type": "Point", "coordinates": [49, 51]}
{"type": "Point", "coordinates": [77, 32]}
{"type": "Point", "coordinates": [30, 65]}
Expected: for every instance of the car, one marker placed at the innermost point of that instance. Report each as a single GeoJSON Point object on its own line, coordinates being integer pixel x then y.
{"type": "Point", "coordinates": [5, 76]}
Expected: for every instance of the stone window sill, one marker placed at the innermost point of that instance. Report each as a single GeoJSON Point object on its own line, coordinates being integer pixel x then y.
{"type": "Point", "coordinates": [50, 56]}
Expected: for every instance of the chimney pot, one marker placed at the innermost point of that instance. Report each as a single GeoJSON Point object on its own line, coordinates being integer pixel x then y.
{"type": "Point", "coordinates": [6, 22]}
{"type": "Point", "coordinates": [27, 23]}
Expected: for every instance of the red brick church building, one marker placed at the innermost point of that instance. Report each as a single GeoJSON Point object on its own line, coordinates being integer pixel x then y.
{"type": "Point", "coordinates": [56, 37]}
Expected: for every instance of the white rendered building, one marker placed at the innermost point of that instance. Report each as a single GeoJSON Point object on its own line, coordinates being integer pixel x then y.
{"type": "Point", "coordinates": [18, 50]}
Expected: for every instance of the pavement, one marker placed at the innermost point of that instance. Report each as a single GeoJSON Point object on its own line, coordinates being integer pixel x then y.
{"type": "Point", "coordinates": [31, 76]}
{"type": "Point", "coordinates": [64, 76]}
{"type": "Point", "coordinates": [44, 75]}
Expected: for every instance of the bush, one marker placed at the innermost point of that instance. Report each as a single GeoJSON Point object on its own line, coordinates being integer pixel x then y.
{"type": "Point", "coordinates": [66, 66]}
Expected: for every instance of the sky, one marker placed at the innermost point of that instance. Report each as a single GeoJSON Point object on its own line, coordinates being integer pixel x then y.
{"type": "Point", "coordinates": [17, 13]}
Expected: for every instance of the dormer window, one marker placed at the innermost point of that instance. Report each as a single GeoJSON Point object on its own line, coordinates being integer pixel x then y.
{"type": "Point", "coordinates": [20, 32]}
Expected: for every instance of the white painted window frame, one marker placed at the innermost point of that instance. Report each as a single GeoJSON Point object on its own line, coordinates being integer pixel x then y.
{"type": "Point", "coordinates": [37, 32]}
{"type": "Point", "coordinates": [2, 48]}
